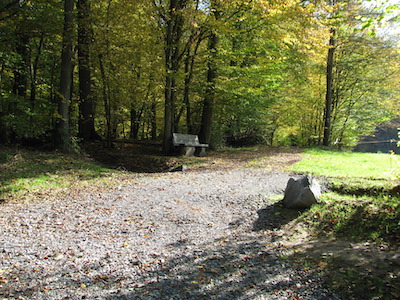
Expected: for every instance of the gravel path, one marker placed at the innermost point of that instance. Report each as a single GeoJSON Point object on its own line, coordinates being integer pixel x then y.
{"type": "Point", "coordinates": [184, 235]}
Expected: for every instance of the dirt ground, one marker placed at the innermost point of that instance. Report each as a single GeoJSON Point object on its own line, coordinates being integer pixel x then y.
{"type": "Point", "coordinates": [147, 157]}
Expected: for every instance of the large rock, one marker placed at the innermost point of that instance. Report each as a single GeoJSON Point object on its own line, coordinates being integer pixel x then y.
{"type": "Point", "coordinates": [302, 193]}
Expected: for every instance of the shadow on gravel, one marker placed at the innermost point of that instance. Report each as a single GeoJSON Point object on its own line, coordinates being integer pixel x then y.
{"type": "Point", "coordinates": [274, 216]}
{"type": "Point", "coordinates": [244, 269]}
{"type": "Point", "coordinates": [235, 268]}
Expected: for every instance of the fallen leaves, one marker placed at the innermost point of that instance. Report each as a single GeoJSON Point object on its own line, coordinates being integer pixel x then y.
{"type": "Point", "coordinates": [3, 279]}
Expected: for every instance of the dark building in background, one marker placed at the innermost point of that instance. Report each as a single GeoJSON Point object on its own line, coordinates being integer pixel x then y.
{"type": "Point", "coordinates": [384, 139]}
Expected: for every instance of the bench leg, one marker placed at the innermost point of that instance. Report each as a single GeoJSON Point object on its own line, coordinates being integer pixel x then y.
{"type": "Point", "coordinates": [201, 151]}
{"type": "Point", "coordinates": [188, 151]}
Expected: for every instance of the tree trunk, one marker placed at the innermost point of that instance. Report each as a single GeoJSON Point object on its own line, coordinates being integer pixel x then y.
{"type": "Point", "coordinates": [186, 94]}
{"type": "Point", "coordinates": [208, 103]}
{"type": "Point", "coordinates": [34, 70]}
{"type": "Point", "coordinates": [20, 73]}
{"type": "Point", "coordinates": [154, 120]}
{"type": "Point", "coordinates": [106, 100]}
{"type": "Point", "coordinates": [329, 90]}
{"type": "Point", "coordinates": [86, 106]}
{"type": "Point", "coordinates": [64, 138]}
{"type": "Point", "coordinates": [3, 129]}
{"type": "Point", "coordinates": [189, 64]}
{"type": "Point", "coordinates": [136, 117]}
{"type": "Point", "coordinates": [173, 36]}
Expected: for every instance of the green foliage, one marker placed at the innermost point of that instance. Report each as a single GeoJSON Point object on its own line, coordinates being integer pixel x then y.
{"type": "Point", "coordinates": [270, 67]}
{"type": "Point", "coordinates": [261, 55]}
{"type": "Point", "coordinates": [28, 70]}
{"type": "Point", "coordinates": [27, 122]}
{"type": "Point", "coordinates": [364, 85]}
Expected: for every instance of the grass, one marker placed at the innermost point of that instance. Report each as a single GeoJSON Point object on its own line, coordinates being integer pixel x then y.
{"type": "Point", "coordinates": [363, 205]}
{"type": "Point", "coordinates": [340, 164]}
{"type": "Point", "coordinates": [29, 172]}
{"type": "Point", "coordinates": [366, 218]}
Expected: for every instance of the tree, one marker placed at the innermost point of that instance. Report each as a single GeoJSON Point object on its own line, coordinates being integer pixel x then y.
{"type": "Point", "coordinates": [329, 89]}
{"type": "Point", "coordinates": [64, 96]}
{"type": "Point", "coordinates": [208, 103]}
{"type": "Point", "coordinates": [86, 103]}
{"type": "Point", "coordinates": [356, 70]}
{"type": "Point", "coordinates": [174, 22]}
{"type": "Point", "coordinates": [330, 60]}
{"type": "Point", "coordinates": [366, 83]}
{"type": "Point", "coordinates": [236, 73]}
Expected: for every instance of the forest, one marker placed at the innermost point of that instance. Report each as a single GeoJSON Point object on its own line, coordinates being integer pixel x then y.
{"type": "Point", "coordinates": [241, 72]}
{"type": "Point", "coordinates": [91, 92]}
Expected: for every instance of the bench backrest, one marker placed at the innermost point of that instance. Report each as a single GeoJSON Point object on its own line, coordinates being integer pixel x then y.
{"type": "Point", "coordinates": [183, 139]}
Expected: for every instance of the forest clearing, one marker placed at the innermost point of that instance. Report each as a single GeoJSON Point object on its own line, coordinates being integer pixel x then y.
{"type": "Point", "coordinates": [95, 96]}
{"type": "Point", "coordinates": [72, 228]}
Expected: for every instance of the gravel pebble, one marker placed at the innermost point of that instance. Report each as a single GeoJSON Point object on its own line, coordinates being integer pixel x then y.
{"type": "Point", "coordinates": [181, 235]}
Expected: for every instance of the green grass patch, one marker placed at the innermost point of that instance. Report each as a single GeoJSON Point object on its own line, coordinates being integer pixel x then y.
{"type": "Point", "coordinates": [341, 164]}
{"type": "Point", "coordinates": [363, 206]}
{"type": "Point", "coordinates": [364, 200]}
{"type": "Point", "coordinates": [28, 171]}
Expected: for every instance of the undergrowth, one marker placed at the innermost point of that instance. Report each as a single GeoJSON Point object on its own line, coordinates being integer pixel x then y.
{"type": "Point", "coordinates": [359, 218]}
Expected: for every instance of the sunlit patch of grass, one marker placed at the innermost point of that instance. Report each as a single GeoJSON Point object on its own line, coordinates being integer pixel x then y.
{"type": "Point", "coordinates": [26, 171]}
{"type": "Point", "coordinates": [263, 162]}
{"type": "Point", "coordinates": [348, 164]}
{"type": "Point", "coordinates": [191, 161]}
{"type": "Point", "coordinates": [364, 203]}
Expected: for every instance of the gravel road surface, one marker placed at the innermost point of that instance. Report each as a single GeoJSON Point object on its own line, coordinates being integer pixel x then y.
{"type": "Point", "coordinates": [181, 235]}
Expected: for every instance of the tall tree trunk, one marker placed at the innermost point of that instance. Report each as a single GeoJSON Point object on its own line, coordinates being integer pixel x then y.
{"type": "Point", "coordinates": [154, 120]}
{"type": "Point", "coordinates": [21, 71]}
{"type": "Point", "coordinates": [134, 133]}
{"type": "Point", "coordinates": [136, 117]}
{"type": "Point", "coordinates": [189, 64]}
{"type": "Point", "coordinates": [106, 100]}
{"type": "Point", "coordinates": [3, 129]}
{"type": "Point", "coordinates": [186, 93]}
{"type": "Point", "coordinates": [208, 103]}
{"type": "Point", "coordinates": [64, 138]}
{"type": "Point", "coordinates": [86, 106]}
{"type": "Point", "coordinates": [329, 90]}
{"type": "Point", "coordinates": [34, 70]}
{"type": "Point", "coordinates": [173, 36]}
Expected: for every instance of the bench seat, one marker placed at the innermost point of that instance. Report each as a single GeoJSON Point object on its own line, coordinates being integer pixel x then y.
{"type": "Point", "coordinates": [189, 144]}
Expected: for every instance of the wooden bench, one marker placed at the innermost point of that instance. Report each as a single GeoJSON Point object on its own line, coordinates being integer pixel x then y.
{"type": "Point", "coordinates": [189, 144]}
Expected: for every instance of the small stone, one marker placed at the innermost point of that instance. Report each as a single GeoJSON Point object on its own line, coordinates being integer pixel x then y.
{"type": "Point", "coordinates": [180, 168]}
